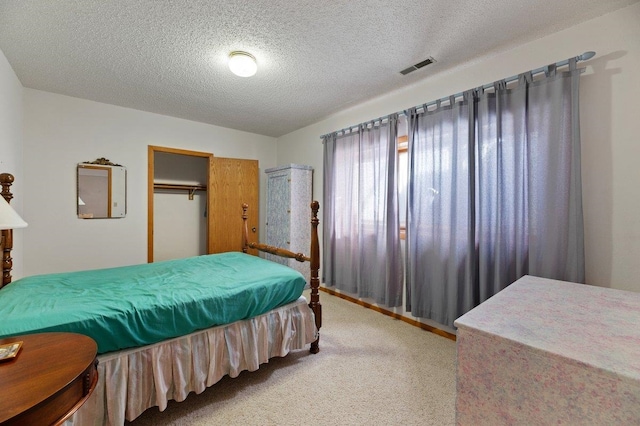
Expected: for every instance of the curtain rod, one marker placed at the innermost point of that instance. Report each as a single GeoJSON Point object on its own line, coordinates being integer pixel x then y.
{"type": "Point", "coordinates": [584, 57]}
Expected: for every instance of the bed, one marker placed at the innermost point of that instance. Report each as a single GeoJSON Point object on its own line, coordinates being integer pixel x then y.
{"type": "Point", "coordinates": [184, 324]}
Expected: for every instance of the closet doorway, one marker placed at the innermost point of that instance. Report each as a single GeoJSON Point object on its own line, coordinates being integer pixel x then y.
{"type": "Point", "coordinates": [178, 198]}
{"type": "Point", "coordinates": [212, 221]}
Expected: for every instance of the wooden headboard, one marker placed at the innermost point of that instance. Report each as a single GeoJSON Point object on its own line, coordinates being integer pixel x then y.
{"type": "Point", "coordinates": [6, 241]}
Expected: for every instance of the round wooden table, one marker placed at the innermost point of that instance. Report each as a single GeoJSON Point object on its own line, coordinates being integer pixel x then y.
{"type": "Point", "coordinates": [49, 379]}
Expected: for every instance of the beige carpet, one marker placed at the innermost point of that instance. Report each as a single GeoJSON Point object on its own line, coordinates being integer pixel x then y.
{"type": "Point", "coordinates": [371, 370]}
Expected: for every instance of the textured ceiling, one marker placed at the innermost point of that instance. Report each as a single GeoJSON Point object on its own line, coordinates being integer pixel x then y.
{"type": "Point", "coordinates": [314, 57]}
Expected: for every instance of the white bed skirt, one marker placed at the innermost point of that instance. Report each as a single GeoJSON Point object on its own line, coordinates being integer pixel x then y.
{"type": "Point", "coordinates": [132, 380]}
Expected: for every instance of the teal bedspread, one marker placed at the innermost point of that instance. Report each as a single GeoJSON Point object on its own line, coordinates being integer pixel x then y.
{"type": "Point", "coordinates": [138, 305]}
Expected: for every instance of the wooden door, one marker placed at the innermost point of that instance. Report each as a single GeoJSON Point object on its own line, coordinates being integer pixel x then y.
{"type": "Point", "coordinates": [232, 182]}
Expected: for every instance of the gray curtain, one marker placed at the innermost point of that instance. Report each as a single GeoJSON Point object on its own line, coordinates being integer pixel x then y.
{"type": "Point", "coordinates": [362, 250]}
{"type": "Point", "coordinates": [494, 193]}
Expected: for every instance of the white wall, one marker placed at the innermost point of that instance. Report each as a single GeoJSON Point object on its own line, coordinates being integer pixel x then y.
{"type": "Point", "coordinates": [61, 131]}
{"type": "Point", "coordinates": [610, 123]}
{"type": "Point", "coordinates": [11, 149]}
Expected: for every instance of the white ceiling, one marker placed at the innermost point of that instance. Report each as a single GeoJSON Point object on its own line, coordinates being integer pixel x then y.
{"type": "Point", "coordinates": [315, 57]}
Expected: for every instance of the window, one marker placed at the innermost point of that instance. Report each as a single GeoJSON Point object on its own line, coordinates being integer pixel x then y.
{"type": "Point", "coordinates": [403, 160]}
{"type": "Point", "coordinates": [403, 169]}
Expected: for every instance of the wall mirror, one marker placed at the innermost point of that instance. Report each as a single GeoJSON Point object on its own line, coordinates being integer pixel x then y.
{"type": "Point", "coordinates": [102, 190]}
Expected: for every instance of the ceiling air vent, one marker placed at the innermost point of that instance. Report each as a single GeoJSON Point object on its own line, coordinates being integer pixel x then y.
{"type": "Point", "coordinates": [417, 66]}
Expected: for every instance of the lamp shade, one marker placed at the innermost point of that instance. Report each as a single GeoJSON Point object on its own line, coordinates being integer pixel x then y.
{"type": "Point", "coordinates": [9, 219]}
{"type": "Point", "coordinates": [242, 64]}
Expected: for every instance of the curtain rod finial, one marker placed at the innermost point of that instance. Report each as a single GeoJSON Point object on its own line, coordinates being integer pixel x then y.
{"type": "Point", "coordinates": [587, 55]}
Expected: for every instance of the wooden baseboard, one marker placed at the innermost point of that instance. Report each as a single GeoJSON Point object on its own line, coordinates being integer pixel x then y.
{"type": "Point", "coordinates": [413, 322]}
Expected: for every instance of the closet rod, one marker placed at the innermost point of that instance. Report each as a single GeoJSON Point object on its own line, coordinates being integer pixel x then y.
{"type": "Point", "coordinates": [183, 187]}
{"type": "Point", "coordinates": [585, 56]}
{"type": "Point", "coordinates": [179, 186]}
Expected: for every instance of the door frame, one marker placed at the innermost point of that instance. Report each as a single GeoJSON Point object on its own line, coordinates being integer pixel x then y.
{"type": "Point", "coordinates": [152, 149]}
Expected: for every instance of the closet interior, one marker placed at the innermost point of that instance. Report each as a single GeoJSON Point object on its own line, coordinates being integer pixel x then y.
{"type": "Point", "coordinates": [179, 205]}
{"type": "Point", "coordinates": [195, 202]}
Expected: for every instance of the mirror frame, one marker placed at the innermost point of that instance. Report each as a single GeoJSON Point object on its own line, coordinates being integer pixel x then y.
{"type": "Point", "coordinates": [103, 164]}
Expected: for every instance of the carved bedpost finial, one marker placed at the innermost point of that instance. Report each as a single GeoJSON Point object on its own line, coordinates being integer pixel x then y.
{"type": "Point", "coordinates": [6, 180]}
{"type": "Point", "coordinates": [245, 228]}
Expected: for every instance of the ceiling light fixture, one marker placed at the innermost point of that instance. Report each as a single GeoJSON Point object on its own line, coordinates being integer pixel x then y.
{"type": "Point", "coordinates": [242, 64]}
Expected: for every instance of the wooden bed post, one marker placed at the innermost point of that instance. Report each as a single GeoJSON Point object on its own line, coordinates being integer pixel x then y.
{"type": "Point", "coordinates": [313, 259]}
{"type": "Point", "coordinates": [315, 267]}
{"type": "Point", "coordinates": [245, 228]}
{"type": "Point", "coordinates": [6, 240]}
